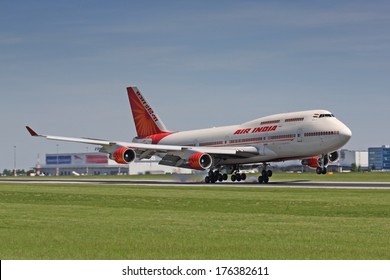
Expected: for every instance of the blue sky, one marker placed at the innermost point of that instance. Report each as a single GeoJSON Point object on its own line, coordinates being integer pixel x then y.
{"type": "Point", "coordinates": [65, 65]}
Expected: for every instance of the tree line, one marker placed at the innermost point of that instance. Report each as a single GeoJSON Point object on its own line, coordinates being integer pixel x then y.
{"type": "Point", "coordinates": [19, 172]}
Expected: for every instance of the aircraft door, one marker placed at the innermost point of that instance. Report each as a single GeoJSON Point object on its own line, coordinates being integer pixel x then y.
{"type": "Point", "coordinates": [299, 135]}
{"type": "Point", "coordinates": [226, 140]}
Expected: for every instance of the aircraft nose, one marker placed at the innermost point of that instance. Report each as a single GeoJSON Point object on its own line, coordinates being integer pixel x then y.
{"type": "Point", "coordinates": [345, 133]}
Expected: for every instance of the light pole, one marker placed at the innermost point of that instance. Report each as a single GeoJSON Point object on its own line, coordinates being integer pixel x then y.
{"type": "Point", "coordinates": [57, 167]}
{"type": "Point", "coordinates": [14, 160]}
{"type": "Point", "coordinates": [86, 155]}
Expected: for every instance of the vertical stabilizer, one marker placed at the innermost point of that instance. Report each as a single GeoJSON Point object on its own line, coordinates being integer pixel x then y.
{"type": "Point", "coordinates": [146, 120]}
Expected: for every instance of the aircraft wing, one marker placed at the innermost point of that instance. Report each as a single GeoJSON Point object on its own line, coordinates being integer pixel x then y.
{"type": "Point", "coordinates": [171, 155]}
{"type": "Point", "coordinates": [106, 143]}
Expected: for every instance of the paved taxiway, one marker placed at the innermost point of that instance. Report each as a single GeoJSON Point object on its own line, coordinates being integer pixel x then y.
{"type": "Point", "coordinates": [281, 184]}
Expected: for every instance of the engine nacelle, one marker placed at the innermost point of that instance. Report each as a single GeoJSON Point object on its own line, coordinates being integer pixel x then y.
{"type": "Point", "coordinates": [200, 161]}
{"type": "Point", "coordinates": [124, 155]}
{"type": "Point", "coordinates": [311, 162]}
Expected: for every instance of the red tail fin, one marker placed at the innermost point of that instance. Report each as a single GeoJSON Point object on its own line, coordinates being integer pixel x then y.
{"type": "Point", "coordinates": [146, 120]}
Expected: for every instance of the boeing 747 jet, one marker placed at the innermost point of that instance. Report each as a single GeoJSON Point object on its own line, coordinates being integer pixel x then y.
{"type": "Point", "coordinates": [311, 136]}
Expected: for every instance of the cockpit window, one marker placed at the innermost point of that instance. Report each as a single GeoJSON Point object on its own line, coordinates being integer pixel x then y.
{"type": "Point", "coordinates": [326, 116]}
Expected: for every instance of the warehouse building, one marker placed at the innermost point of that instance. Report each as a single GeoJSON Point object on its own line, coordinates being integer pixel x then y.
{"type": "Point", "coordinates": [349, 160]}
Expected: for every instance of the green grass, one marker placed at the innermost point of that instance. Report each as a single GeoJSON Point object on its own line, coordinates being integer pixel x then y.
{"type": "Point", "coordinates": [63, 221]}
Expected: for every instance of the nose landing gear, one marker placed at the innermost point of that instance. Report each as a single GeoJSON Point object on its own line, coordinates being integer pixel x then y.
{"type": "Point", "coordinates": [323, 162]}
{"type": "Point", "coordinates": [321, 170]}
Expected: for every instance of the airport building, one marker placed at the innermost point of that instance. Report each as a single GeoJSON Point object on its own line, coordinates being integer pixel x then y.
{"type": "Point", "coordinates": [379, 158]}
{"type": "Point", "coordinates": [349, 159]}
{"type": "Point", "coordinates": [101, 164]}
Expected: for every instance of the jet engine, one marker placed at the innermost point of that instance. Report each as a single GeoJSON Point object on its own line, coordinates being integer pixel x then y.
{"type": "Point", "coordinates": [200, 161]}
{"type": "Point", "coordinates": [123, 155]}
{"type": "Point", "coordinates": [333, 156]}
{"type": "Point", "coordinates": [316, 161]}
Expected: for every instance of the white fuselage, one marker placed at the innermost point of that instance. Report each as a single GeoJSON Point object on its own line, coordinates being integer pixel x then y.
{"type": "Point", "coordinates": [277, 137]}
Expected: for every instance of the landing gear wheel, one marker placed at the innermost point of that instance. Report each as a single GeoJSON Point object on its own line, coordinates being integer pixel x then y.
{"type": "Point", "coordinates": [265, 174]}
{"type": "Point", "coordinates": [214, 176]}
{"type": "Point", "coordinates": [263, 179]}
{"type": "Point", "coordinates": [321, 170]}
{"type": "Point", "coordinates": [237, 177]}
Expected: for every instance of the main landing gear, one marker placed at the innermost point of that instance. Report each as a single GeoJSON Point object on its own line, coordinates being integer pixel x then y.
{"type": "Point", "coordinates": [238, 176]}
{"type": "Point", "coordinates": [216, 175]}
{"type": "Point", "coordinates": [265, 175]}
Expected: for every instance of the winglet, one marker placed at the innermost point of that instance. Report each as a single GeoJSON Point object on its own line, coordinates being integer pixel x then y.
{"type": "Point", "coordinates": [31, 131]}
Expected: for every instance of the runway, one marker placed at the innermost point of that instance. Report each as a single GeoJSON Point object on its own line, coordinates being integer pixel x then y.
{"type": "Point", "coordinates": [253, 184]}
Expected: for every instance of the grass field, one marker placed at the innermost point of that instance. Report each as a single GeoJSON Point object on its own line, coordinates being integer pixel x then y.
{"type": "Point", "coordinates": [85, 221]}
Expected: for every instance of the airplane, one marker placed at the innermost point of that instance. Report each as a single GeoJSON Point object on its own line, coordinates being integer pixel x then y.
{"type": "Point", "coordinates": [313, 136]}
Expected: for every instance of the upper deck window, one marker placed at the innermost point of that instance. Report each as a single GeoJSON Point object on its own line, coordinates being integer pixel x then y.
{"type": "Point", "coordinates": [270, 122]}
{"type": "Point", "coordinates": [294, 120]}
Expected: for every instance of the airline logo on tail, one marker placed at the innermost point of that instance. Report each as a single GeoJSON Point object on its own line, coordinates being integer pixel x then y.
{"type": "Point", "coordinates": [146, 106]}
{"type": "Point", "coordinates": [146, 120]}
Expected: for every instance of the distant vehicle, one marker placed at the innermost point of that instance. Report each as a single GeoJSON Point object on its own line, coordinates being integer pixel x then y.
{"type": "Point", "coordinates": [312, 136]}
